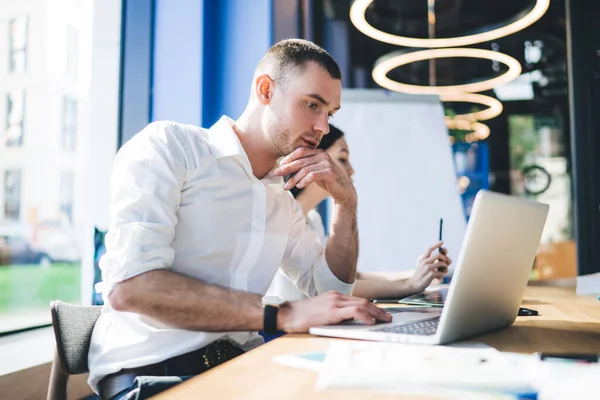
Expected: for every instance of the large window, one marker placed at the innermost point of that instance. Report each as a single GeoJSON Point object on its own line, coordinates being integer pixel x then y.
{"type": "Point", "coordinates": [15, 113]}
{"type": "Point", "coordinates": [12, 195]}
{"type": "Point", "coordinates": [18, 44]}
{"type": "Point", "coordinates": [69, 124]}
{"type": "Point", "coordinates": [46, 83]}
{"type": "Point", "coordinates": [539, 170]}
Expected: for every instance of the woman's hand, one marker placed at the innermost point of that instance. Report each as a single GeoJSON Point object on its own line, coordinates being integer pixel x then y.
{"type": "Point", "coordinates": [429, 267]}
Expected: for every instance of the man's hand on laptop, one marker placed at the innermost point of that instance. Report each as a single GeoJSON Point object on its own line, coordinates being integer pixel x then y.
{"type": "Point", "coordinates": [431, 265]}
{"type": "Point", "coordinates": [328, 309]}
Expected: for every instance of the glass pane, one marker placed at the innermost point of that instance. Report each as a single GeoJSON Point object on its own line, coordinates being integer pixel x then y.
{"type": "Point", "coordinates": [15, 111]}
{"type": "Point", "coordinates": [17, 61]}
{"type": "Point", "coordinates": [41, 219]}
{"type": "Point", "coordinates": [18, 43]}
{"type": "Point", "coordinates": [69, 136]}
{"type": "Point", "coordinates": [539, 162]}
{"type": "Point", "coordinates": [12, 195]}
{"type": "Point", "coordinates": [18, 32]}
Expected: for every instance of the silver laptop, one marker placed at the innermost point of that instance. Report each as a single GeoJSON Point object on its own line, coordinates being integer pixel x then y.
{"type": "Point", "coordinates": [488, 283]}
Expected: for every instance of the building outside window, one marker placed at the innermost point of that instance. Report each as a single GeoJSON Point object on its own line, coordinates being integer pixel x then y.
{"type": "Point", "coordinates": [15, 113]}
{"type": "Point", "coordinates": [12, 195]}
{"type": "Point", "coordinates": [69, 124]}
{"type": "Point", "coordinates": [46, 82]}
{"type": "Point", "coordinates": [17, 57]}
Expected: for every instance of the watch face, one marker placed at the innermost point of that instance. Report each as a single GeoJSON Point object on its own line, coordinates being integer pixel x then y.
{"type": "Point", "coordinates": [272, 300]}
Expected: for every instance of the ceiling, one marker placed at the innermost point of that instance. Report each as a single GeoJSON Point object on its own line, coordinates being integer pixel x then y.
{"type": "Point", "coordinates": [458, 18]}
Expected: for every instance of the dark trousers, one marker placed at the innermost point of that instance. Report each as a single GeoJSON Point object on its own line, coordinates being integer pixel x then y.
{"type": "Point", "coordinates": [146, 381]}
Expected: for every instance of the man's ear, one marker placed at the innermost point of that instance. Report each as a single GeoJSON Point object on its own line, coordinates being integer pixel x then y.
{"type": "Point", "coordinates": [264, 88]}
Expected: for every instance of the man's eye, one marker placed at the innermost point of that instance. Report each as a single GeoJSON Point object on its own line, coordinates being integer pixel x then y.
{"type": "Point", "coordinates": [311, 105]}
{"type": "Point", "coordinates": [342, 160]}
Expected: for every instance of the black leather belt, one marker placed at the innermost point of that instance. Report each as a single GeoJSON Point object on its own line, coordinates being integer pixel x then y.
{"type": "Point", "coordinates": [192, 363]}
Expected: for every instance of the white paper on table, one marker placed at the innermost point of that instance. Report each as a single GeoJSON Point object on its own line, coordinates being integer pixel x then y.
{"type": "Point", "coordinates": [423, 369]}
{"type": "Point", "coordinates": [313, 360]}
{"type": "Point", "coordinates": [396, 366]}
{"type": "Point", "coordinates": [563, 380]}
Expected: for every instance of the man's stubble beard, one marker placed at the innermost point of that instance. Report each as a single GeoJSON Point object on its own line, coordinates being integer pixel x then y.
{"type": "Point", "coordinates": [280, 136]}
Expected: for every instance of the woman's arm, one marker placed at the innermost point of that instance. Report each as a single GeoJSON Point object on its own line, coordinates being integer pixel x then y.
{"type": "Point", "coordinates": [376, 286]}
{"type": "Point", "coordinates": [374, 277]}
{"type": "Point", "coordinates": [429, 267]}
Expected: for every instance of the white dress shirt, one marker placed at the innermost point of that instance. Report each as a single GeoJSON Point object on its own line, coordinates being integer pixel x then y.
{"type": "Point", "coordinates": [284, 287]}
{"type": "Point", "coordinates": [184, 198]}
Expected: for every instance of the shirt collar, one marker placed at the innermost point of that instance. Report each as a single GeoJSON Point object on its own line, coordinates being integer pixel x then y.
{"type": "Point", "coordinates": [223, 139]}
{"type": "Point", "coordinates": [271, 179]}
{"type": "Point", "coordinates": [225, 143]}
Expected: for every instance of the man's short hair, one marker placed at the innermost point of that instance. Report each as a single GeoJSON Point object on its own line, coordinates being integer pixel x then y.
{"type": "Point", "coordinates": [291, 55]}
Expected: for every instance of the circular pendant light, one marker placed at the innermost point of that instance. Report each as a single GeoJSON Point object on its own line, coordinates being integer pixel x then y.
{"type": "Point", "coordinates": [494, 106]}
{"type": "Point", "coordinates": [478, 130]}
{"type": "Point", "coordinates": [520, 22]}
{"type": "Point", "coordinates": [396, 59]}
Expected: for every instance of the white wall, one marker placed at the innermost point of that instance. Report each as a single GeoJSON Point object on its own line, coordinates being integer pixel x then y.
{"type": "Point", "coordinates": [405, 177]}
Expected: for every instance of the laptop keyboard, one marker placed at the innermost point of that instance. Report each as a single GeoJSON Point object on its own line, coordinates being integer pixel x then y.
{"type": "Point", "coordinates": [423, 327]}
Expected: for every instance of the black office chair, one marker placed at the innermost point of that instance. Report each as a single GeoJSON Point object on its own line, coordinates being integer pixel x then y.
{"type": "Point", "coordinates": [73, 326]}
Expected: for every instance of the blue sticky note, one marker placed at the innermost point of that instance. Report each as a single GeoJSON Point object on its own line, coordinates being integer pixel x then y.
{"type": "Point", "coordinates": [318, 356]}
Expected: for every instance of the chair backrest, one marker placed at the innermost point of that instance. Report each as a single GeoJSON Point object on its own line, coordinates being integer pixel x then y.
{"type": "Point", "coordinates": [73, 326]}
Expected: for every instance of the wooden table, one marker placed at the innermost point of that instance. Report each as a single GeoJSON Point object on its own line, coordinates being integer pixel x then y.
{"type": "Point", "coordinates": [567, 323]}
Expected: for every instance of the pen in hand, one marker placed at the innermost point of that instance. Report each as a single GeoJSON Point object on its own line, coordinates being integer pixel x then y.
{"type": "Point", "coordinates": [441, 269]}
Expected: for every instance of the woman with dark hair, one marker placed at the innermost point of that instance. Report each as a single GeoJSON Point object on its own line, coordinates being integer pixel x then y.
{"type": "Point", "coordinates": [430, 265]}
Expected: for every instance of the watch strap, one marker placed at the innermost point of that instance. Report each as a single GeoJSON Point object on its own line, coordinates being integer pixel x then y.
{"type": "Point", "coordinates": [270, 319]}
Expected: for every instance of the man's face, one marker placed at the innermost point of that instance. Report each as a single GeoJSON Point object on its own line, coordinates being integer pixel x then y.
{"type": "Point", "coordinates": [299, 111]}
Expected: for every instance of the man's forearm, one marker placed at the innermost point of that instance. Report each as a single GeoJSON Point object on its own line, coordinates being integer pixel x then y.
{"type": "Point", "coordinates": [188, 303]}
{"type": "Point", "coordinates": [342, 246]}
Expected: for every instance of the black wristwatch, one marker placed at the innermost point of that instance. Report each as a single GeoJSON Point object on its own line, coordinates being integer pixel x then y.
{"type": "Point", "coordinates": [271, 306]}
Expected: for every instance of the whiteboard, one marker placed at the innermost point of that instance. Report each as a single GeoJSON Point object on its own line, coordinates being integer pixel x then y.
{"type": "Point", "coordinates": [404, 176]}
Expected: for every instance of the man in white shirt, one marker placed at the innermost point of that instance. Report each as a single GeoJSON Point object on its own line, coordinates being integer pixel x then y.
{"type": "Point", "coordinates": [200, 221]}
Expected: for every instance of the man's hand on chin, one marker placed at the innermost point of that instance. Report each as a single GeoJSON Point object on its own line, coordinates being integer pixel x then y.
{"type": "Point", "coordinates": [308, 165]}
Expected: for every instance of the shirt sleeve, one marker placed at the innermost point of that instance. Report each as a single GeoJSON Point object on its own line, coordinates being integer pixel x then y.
{"type": "Point", "coordinates": [146, 182]}
{"type": "Point", "coordinates": [315, 222]}
{"type": "Point", "coordinates": [305, 263]}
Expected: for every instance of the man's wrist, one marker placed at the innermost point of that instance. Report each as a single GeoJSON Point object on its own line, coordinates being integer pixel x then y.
{"type": "Point", "coordinates": [349, 201]}
{"type": "Point", "coordinates": [284, 317]}
{"type": "Point", "coordinates": [274, 314]}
